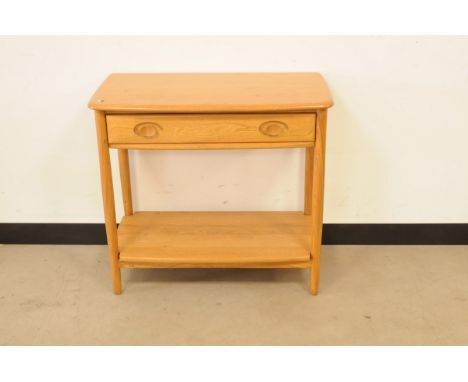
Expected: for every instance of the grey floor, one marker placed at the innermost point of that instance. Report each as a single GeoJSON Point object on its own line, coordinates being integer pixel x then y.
{"type": "Point", "coordinates": [370, 295]}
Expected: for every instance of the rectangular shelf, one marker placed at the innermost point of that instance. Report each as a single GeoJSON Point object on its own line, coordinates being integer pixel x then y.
{"type": "Point", "coordinates": [215, 240]}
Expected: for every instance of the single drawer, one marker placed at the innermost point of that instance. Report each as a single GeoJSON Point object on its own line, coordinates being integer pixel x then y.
{"type": "Point", "coordinates": [210, 128]}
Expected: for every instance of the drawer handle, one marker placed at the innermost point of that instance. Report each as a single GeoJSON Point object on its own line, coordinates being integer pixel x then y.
{"type": "Point", "coordinates": [273, 128]}
{"type": "Point", "coordinates": [147, 129]}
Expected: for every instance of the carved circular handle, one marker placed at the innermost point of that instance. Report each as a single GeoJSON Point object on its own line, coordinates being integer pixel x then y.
{"type": "Point", "coordinates": [147, 129]}
{"type": "Point", "coordinates": [273, 128]}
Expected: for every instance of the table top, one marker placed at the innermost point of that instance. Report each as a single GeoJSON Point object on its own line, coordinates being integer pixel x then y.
{"type": "Point", "coordinates": [211, 93]}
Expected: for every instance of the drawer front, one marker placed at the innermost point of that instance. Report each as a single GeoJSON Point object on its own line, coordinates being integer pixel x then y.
{"type": "Point", "coordinates": [210, 128]}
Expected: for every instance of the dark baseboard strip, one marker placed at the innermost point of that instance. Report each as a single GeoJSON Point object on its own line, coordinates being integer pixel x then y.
{"type": "Point", "coordinates": [39, 233]}
{"type": "Point", "coordinates": [368, 234]}
{"type": "Point", "coordinates": [396, 234]}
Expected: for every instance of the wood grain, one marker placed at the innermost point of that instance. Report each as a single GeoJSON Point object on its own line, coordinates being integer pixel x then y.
{"type": "Point", "coordinates": [234, 239]}
{"type": "Point", "coordinates": [317, 199]}
{"type": "Point", "coordinates": [125, 181]}
{"type": "Point", "coordinates": [213, 111]}
{"type": "Point", "coordinates": [309, 169]}
{"type": "Point", "coordinates": [211, 146]}
{"type": "Point", "coordinates": [211, 128]}
{"type": "Point", "coordinates": [294, 264]}
{"type": "Point", "coordinates": [212, 93]}
{"type": "Point", "coordinates": [108, 200]}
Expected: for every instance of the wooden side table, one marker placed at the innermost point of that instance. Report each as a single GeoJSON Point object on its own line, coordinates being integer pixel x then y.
{"type": "Point", "coordinates": [213, 111]}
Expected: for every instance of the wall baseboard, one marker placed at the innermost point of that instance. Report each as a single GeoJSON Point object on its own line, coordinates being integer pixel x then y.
{"type": "Point", "coordinates": [366, 234]}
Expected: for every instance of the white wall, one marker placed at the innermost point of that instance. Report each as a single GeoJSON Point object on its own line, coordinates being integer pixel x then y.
{"type": "Point", "coordinates": [397, 140]}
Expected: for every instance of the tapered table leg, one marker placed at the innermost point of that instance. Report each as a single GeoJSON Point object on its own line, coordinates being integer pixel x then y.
{"type": "Point", "coordinates": [108, 200]}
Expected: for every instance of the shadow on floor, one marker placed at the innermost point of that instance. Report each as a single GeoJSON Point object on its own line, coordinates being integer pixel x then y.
{"type": "Point", "coordinates": [301, 276]}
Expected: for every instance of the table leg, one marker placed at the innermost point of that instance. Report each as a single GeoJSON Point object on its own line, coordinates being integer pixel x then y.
{"type": "Point", "coordinates": [124, 168]}
{"type": "Point", "coordinates": [316, 203]}
{"type": "Point", "coordinates": [108, 199]}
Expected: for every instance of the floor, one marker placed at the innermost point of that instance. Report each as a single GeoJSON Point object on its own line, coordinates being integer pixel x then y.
{"type": "Point", "coordinates": [370, 295]}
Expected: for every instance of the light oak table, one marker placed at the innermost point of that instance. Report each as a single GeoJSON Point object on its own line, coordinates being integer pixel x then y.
{"type": "Point", "coordinates": [213, 111]}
